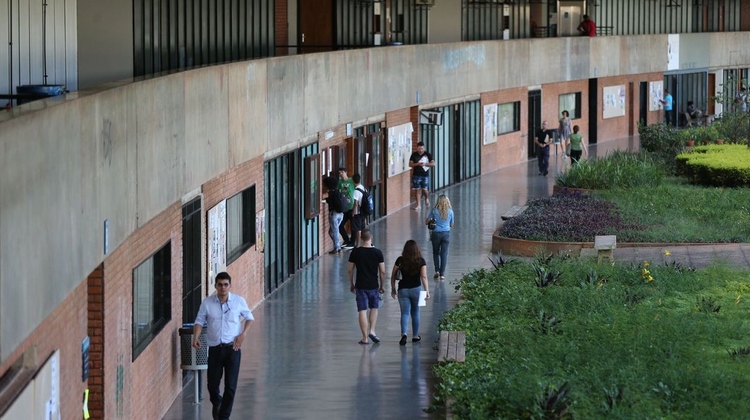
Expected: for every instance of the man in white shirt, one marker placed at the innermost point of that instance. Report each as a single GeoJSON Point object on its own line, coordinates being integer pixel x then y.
{"type": "Point", "coordinates": [226, 318]}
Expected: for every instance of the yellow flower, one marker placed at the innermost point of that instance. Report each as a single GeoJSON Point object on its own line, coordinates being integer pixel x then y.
{"type": "Point", "coordinates": [667, 253]}
{"type": "Point", "coordinates": [650, 279]}
{"type": "Point", "coordinates": [645, 263]}
{"type": "Point", "coordinates": [645, 272]}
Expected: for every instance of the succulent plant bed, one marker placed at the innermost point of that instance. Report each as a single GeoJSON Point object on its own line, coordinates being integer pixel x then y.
{"type": "Point", "coordinates": [566, 338]}
{"type": "Point", "coordinates": [672, 212]}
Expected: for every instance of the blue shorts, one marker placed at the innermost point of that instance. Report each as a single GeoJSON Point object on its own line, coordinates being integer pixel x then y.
{"type": "Point", "coordinates": [367, 299]}
{"type": "Point", "coordinates": [420, 182]}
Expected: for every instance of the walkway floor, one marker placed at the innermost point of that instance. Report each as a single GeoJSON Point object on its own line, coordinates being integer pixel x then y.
{"type": "Point", "coordinates": [301, 359]}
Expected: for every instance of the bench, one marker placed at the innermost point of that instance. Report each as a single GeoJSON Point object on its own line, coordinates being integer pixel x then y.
{"type": "Point", "coordinates": [513, 211]}
{"type": "Point", "coordinates": [452, 347]}
{"type": "Point", "coordinates": [604, 246]}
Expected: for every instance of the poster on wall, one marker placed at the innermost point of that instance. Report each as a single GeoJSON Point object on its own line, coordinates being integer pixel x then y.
{"type": "Point", "coordinates": [655, 94]}
{"type": "Point", "coordinates": [490, 124]}
{"type": "Point", "coordinates": [613, 103]}
{"type": "Point", "coordinates": [399, 148]}
{"type": "Point", "coordinates": [260, 231]}
{"type": "Point", "coordinates": [217, 240]}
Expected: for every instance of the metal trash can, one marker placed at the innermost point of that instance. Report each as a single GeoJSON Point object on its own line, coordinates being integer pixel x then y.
{"type": "Point", "coordinates": [192, 358]}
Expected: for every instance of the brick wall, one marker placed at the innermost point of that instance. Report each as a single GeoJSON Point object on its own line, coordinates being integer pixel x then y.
{"type": "Point", "coordinates": [96, 324]}
{"type": "Point", "coordinates": [617, 127]}
{"type": "Point", "coordinates": [155, 376]}
{"type": "Point", "coordinates": [247, 271]}
{"type": "Point", "coordinates": [63, 329]}
{"type": "Point", "coordinates": [510, 148]}
{"type": "Point", "coordinates": [281, 26]}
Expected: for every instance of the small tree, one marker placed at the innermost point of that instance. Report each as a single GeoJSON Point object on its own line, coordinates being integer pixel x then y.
{"type": "Point", "coordinates": [734, 125]}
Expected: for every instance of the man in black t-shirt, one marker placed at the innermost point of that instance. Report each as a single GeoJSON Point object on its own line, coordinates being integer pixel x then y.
{"type": "Point", "coordinates": [542, 139]}
{"type": "Point", "coordinates": [421, 162]}
{"type": "Point", "coordinates": [369, 284]}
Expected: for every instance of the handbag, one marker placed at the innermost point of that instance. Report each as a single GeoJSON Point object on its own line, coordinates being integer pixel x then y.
{"type": "Point", "coordinates": [432, 224]}
{"type": "Point", "coordinates": [567, 150]}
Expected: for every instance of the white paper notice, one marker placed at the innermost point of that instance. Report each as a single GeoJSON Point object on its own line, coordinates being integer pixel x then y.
{"type": "Point", "coordinates": [422, 298]}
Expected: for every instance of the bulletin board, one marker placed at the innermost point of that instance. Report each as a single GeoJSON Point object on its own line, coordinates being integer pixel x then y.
{"type": "Point", "coordinates": [490, 124]}
{"type": "Point", "coordinates": [613, 101]}
{"type": "Point", "coordinates": [655, 93]}
{"type": "Point", "coordinates": [399, 148]}
{"type": "Point", "coordinates": [217, 240]}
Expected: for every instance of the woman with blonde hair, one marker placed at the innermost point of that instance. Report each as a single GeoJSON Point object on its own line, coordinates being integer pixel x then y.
{"type": "Point", "coordinates": [442, 213]}
{"type": "Point", "coordinates": [413, 269]}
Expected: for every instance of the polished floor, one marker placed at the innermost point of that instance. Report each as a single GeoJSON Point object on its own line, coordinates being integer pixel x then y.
{"type": "Point", "coordinates": [302, 360]}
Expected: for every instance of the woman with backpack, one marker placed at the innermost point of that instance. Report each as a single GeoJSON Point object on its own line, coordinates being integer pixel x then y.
{"type": "Point", "coordinates": [442, 214]}
{"type": "Point", "coordinates": [413, 270]}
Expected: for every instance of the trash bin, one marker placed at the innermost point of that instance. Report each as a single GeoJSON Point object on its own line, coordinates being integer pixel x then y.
{"type": "Point", "coordinates": [28, 93]}
{"type": "Point", "coordinates": [192, 358]}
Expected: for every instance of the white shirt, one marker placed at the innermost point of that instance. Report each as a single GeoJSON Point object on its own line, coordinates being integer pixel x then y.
{"type": "Point", "coordinates": [358, 196]}
{"type": "Point", "coordinates": [223, 321]}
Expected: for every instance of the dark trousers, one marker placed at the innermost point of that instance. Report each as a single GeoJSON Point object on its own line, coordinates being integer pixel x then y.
{"type": "Point", "coordinates": [223, 360]}
{"type": "Point", "coordinates": [670, 117]}
{"type": "Point", "coordinates": [575, 155]}
{"type": "Point", "coordinates": [342, 226]}
{"type": "Point", "coordinates": [542, 156]}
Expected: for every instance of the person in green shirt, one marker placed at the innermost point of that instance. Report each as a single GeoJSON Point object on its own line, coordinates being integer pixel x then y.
{"type": "Point", "coordinates": [577, 146]}
{"type": "Point", "coordinates": [346, 185]}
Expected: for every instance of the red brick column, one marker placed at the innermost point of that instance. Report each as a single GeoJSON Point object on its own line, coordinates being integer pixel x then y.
{"type": "Point", "coordinates": [96, 349]}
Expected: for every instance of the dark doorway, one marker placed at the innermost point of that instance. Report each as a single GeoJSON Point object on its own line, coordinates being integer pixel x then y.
{"type": "Point", "coordinates": [191, 260]}
{"type": "Point", "coordinates": [593, 110]}
{"type": "Point", "coordinates": [535, 118]}
{"type": "Point", "coordinates": [643, 102]}
{"type": "Point", "coordinates": [316, 25]}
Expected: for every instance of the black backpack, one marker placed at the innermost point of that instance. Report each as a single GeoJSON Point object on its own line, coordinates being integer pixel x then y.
{"type": "Point", "coordinates": [366, 205]}
{"type": "Point", "coordinates": [337, 200]}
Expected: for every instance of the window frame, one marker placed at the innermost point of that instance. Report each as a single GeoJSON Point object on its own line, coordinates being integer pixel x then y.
{"type": "Point", "coordinates": [160, 295]}
{"type": "Point", "coordinates": [576, 115]}
{"type": "Point", "coordinates": [247, 229]}
{"type": "Point", "coordinates": [515, 118]}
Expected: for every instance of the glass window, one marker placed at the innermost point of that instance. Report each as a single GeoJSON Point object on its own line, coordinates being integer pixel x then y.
{"type": "Point", "coordinates": [240, 223]}
{"type": "Point", "coordinates": [570, 102]}
{"type": "Point", "coordinates": [508, 117]}
{"type": "Point", "coordinates": [152, 307]}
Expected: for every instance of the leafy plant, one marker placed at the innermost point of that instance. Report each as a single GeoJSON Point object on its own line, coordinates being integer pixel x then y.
{"type": "Point", "coordinates": [707, 305]}
{"type": "Point", "coordinates": [618, 169]}
{"type": "Point", "coordinates": [556, 401]}
{"type": "Point", "coordinates": [498, 261]}
{"type": "Point", "coordinates": [545, 276]}
{"type": "Point", "coordinates": [546, 323]}
{"type": "Point", "coordinates": [739, 352]}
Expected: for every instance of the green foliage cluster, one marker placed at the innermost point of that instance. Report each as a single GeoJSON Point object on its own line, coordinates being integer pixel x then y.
{"type": "Point", "coordinates": [701, 134]}
{"type": "Point", "coordinates": [663, 143]}
{"type": "Point", "coordinates": [716, 166]}
{"type": "Point", "coordinates": [654, 341]}
{"type": "Point", "coordinates": [734, 127]}
{"type": "Point", "coordinates": [618, 169]}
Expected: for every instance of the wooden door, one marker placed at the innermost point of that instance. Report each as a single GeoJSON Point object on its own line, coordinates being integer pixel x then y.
{"type": "Point", "coordinates": [315, 32]}
{"type": "Point", "coordinates": [711, 92]}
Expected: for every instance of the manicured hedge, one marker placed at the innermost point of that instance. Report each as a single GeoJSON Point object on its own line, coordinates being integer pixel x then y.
{"type": "Point", "coordinates": [716, 165]}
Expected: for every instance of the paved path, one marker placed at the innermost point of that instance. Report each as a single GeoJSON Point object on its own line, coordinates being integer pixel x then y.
{"type": "Point", "coordinates": [301, 359]}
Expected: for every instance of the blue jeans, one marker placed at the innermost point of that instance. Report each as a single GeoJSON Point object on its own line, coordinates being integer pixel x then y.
{"type": "Point", "coordinates": [408, 300]}
{"type": "Point", "coordinates": [440, 242]}
{"type": "Point", "coordinates": [333, 228]}
{"type": "Point", "coordinates": [223, 360]}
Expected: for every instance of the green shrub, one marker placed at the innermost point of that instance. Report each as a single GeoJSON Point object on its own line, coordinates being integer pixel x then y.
{"type": "Point", "coordinates": [618, 169]}
{"type": "Point", "coordinates": [663, 143]}
{"type": "Point", "coordinates": [716, 165]}
{"type": "Point", "coordinates": [605, 341]}
{"type": "Point", "coordinates": [733, 127]}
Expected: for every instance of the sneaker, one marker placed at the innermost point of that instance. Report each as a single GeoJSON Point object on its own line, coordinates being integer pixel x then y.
{"type": "Point", "coordinates": [545, 173]}
{"type": "Point", "coordinates": [403, 340]}
{"type": "Point", "coordinates": [416, 339]}
{"type": "Point", "coordinates": [348, 246]}
{"type": "Point", "coordinates": [437, 274]}
{"type": "Point", "coordinates": [335, 252]}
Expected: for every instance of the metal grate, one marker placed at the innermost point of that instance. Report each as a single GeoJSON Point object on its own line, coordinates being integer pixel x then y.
{"type": "Point", "coordinates": [192, 358]}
